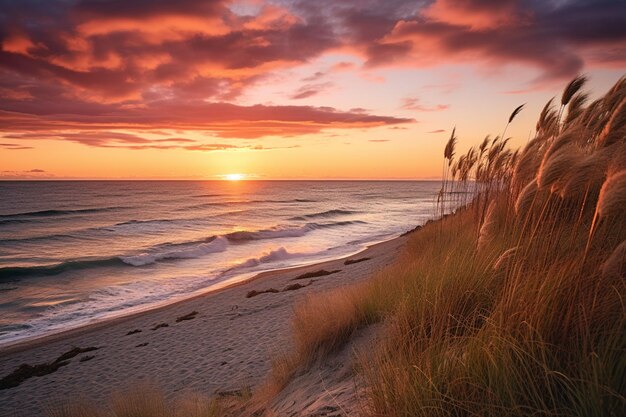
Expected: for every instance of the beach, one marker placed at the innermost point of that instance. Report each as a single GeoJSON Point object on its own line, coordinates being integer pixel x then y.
{"type": "Point", "coordinates": [227, 345]}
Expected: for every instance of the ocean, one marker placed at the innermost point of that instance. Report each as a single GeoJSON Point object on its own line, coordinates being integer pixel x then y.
{"type": "Point", "coordinates": [75, 252]}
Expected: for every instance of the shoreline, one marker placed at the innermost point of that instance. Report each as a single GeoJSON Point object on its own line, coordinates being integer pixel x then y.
{"type": "Point", "coordinates": [215, 342]}
{"type": "Point", "coordinates": [35, 341]}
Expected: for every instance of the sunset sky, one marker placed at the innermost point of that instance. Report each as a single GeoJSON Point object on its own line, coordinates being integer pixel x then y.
{"type": "Point", "coordinates": [311, 89]}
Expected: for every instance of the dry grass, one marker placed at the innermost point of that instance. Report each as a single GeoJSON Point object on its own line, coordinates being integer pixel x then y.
{"type": "Point", "coordinates": [143, 400]}
{"type": "Point", "coordinates": [511, 306]}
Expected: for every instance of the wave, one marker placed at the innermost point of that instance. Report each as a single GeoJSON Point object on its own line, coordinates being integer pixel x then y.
{"type": "Point", "coordinates": [239, 202]}
{"type": "Point", "coordinates": [280, 232]}
{"type": "Point", "coordinates": [324, 214]}
{"type": "Point", "coordinates": [218, 244]}
{"type": "Point", "coordinates": [279, 254]}
{"type": "Point", "coordinates": [336, 224]}
{"type": "Point", "coordinates": [9, 273]}
{"type": "Point", "coordinates": [13, 221]}
{"type": "Point", "coordinates": [153, 221]}
{"type": "Point", "coordinates": [171, 251]}
{"type": "Point", "coordinates": [207, 195]}
{"type": "Point", "coordinates": [81, 234]}
{"type": "Point", "coordinates": [275, 233]}
{"type": "Point", "coordinates": [51, 213]}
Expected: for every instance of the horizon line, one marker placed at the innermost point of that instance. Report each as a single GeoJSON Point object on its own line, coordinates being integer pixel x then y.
{"type": "Point", "coordinates": [213, 180]}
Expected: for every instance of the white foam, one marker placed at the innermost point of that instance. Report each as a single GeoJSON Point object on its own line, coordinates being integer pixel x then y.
{"type": "Point", "coordinates": [279, 254]}
{"type": "Point", "coordinates": [219, 244]}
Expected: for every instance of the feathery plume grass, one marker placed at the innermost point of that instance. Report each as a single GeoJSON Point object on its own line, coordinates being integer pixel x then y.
{"type": "Point", "coordinates": [448, 152]}
{"type": "Point", "coordinates": [547, 113]}
{"type": "Point", "coordinates": [572, 88]}
{"type": "Point", "coordinates": [489, 228]}
{"type": "Point", "coordinates": [575, 107]}
{"type": "Point", "coordinates": [586, 177]}
{"type": "Point", "coordinates": [612, 199]}
{"type": "Point", "coordinates": [615, 129]}
{"type": "Point", "coordinates": [504, 258]}
{"type": "Point", "coordinates": [615, 265]}
{"type": "Point", "coordinates": [557, 166]}
{"type": "Point", "coordinates": [539, 329]}
{"type": "Point", "coordinates": [526, 198]}
{"type": "Point", "coordinates": [516, 112]}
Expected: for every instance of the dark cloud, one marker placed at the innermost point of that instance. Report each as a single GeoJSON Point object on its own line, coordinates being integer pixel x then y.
{"type": "Point", "coordinates": [309, 90]}
{"type": "Point", "coordinates": [556, 37]}
{"type": "Point", "coordinates": [437, 131]}
{"type": "Point", "coordinates": [137, 9]}
{"type": "Point", "coordinates": [14, 146]}
{"type": "Point", "coordinates": [96, 125]}
{"type": "Point", "coordinates": [100, 65]}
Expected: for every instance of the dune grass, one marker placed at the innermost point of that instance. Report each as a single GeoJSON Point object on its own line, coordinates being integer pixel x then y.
{"type": "Point", "coordinates": [515, 305]}
{"type": "Point", "coordinates": [146, 400]}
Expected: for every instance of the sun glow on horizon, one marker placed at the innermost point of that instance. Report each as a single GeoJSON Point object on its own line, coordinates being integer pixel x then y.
{"type": "Point", "coordinates": [234, 177]}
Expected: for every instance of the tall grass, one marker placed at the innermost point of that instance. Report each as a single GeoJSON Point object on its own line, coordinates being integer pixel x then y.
{"type": "Point", "coordinates": [515, 305]}
{"type": "Point", "coordinates": [147, 400]}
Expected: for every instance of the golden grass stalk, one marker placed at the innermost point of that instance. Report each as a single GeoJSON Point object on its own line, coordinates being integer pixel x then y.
{"type": "Point", "coordinates": [535, 330]}
{"type": "Point", "coordinates": [516, 112]}
{"type": "Point", "coordinates": [448, 152]}
{"type": "Point", "coordinates": [489, 228]}
{"type": "Point", "coordinates": [615, 265]}
{"type": "Point", "coordinates": [504, 258]}
{"type": "Point", "coordinates": [612, 199]}
{"type": "Point", "coordinates": [615, 129]}
{"type": "Point", "coordinates": [586, 177]}
{"type": "Point", "coordinates": [557, 166]}
{"type": "Point", "coordinates": [576, 107]}
{"type": "Point", "coordinates": [572, 88]}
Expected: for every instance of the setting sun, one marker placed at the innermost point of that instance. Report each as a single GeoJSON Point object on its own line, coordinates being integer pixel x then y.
{"type": "Point", "coordinates": [234, 177]}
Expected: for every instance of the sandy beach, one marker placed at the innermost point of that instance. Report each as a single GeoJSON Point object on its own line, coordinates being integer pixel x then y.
{"type": "Point", "coordinates": [226, 345]}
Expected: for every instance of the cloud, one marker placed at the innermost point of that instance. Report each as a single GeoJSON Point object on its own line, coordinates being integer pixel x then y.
{"type": "Point", "coordinates": [310, 90]}
{"type": "Point", "coordinates": [24, 175]}
{"type": "Point", "coordinates": [111, 65]}
{"type": "Point", "coordinates": [414, 104]}
{"type": "Point", "coordinates": [378, 140]}
{"type": "Point", "coordinates": [223, 119]}
{"type": "Point", "coordinates": [437, 131]}
{"type": "Point", "coordinates": [555, 38]}
{"type": "Point", "coordinates": [14, 146]}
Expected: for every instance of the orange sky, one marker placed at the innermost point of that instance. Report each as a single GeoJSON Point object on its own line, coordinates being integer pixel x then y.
{"type": "Point", "coordinates": [196, 89]}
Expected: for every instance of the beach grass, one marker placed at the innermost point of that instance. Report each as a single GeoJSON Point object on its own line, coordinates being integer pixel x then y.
{"type": "Point", "coordinates": [515, 304]}
{"type": "Point", "coordinates": [144, 400]}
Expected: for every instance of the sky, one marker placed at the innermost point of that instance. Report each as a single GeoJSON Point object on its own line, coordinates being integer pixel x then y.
{"type": "Point", "coordinates": [284, 89]}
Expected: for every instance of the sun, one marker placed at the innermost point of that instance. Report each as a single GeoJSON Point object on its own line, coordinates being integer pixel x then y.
{"type": "Point", "coordinates": [234, 177]}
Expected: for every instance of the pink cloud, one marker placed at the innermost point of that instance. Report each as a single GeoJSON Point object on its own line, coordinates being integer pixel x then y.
{"type": "Point", "coordinates": [415, 105]}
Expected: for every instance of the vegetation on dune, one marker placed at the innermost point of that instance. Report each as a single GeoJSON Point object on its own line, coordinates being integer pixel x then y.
{"type": "Point", "coordinates": [515, 305]}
